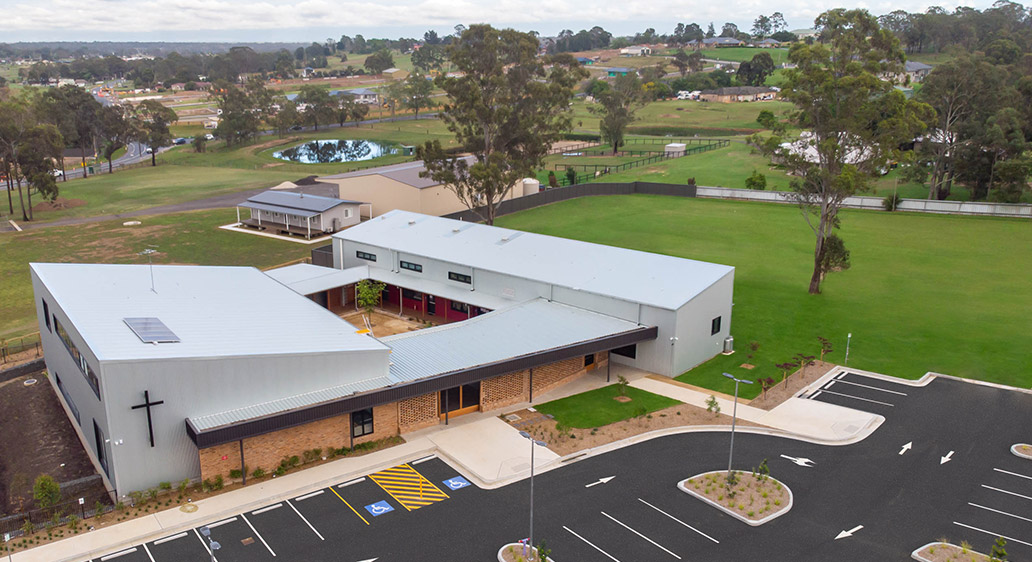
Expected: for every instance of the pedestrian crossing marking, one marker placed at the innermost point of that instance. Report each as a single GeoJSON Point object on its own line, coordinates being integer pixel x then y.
{"type": "Point", "coordinates": [408, 487]}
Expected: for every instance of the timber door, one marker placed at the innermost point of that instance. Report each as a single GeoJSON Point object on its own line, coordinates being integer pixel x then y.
{"type": "Point", "coordinates": [460, 400]}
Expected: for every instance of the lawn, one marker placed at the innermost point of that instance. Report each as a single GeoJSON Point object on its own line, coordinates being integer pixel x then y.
{"type": "Point", "coordinates": [925, 292]}
{"type": "Point", "coordinates": [739, 54]}
{"type": "Point", "coordinates": [183, 238]}
{"type": "Point", "coordinates": [687, 118]}
{"type": "Point", "coordinates": [598, 407]}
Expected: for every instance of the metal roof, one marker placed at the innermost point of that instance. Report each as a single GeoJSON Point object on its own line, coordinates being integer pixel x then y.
{"type": "Point", "coordinates": [292, 202]}
{"type": "Point", "coordinates": [524, 329]}
{"type": "Point", "coordinates": [213, 310]}
{"type": "Point", "coordinates": [407, 173]}
{"type": "Point", "coordinates": [913, 66]}
{"type": "Point", "coordinates": [211, 421]}
{"type": "Point", "coordinates": [640, 277]}
{"type": "Point", "coordinates": [278, 209]}
{"type": "Point", "coordinates": [306, 279]}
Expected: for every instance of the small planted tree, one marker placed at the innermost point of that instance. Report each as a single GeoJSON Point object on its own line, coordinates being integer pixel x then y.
{"type": "Point", "coordinates": [46, 491]}
{"type": "Point", "coordinates": [571, 176]}
{"type": "Point", "coordinates": [826, 346]}
{"type": "Point", "coordinates": [712, 405]}
{"type": "Point", "coordinates": [368, 294]}
{"type": "Point", "coordinates": [785, 368]}
{"type": "Point", "coordinates": [998, 554]}
{"type": "Point", "coordinates": [766, 384]}
{"type": "Point", "coordinates": [621, 385]}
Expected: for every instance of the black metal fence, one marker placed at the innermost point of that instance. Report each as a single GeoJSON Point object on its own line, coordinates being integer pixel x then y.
{"type": "Point", "coordinates": [667, 140]}
{"type": "Point", "coordinates": [597, 169]}
{"type": "Point", "coordinates": [94, 502]}
{"type": "Point", "coordinates": [555, 195]}
{"type": "Point", "coordinates": [573, 147]}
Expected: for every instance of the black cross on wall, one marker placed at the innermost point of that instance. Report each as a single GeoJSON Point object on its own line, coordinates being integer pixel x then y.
{"type": "Point", "coordinates": [147, 404]}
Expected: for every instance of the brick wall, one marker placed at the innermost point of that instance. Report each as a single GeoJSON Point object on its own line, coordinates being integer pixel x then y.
{"type": "Point", "coordinates": [418, 412]}
{"type": "Point", "coordinates": [267, 450]}
{"type": "Point", "coordinates": [499, 392]}
{"type": "Point", "coordinates": [559, 373]}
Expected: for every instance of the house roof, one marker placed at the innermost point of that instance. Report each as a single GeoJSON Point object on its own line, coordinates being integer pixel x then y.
{"type": "Point", "coordinates": [294, 203]}
{"type": "Point", "coordinates": [721, 41]}
{"type": "Point", "coordinates": [654, 279]}
{"type": "Point", "coordinates": [307, 279]}
{"type": "Point", "coordinates": [360, 92]}
{"type": "Point", "coordinates": [201, 304]}
{"type": "Point", "coordinates": [406, 173]}
{"type": "Point", "coordinates": [738, 91]}
{"type": "Point", "coordinates": [914, 66]}
{"type": "Point", "coordinates": [391, 70]}
{"type": "Point", "coordinates": [619, 69]}
{"type": "Point", "coordinates": [531, 327]}
{"type": "Point", "coordinates": [769, 41]}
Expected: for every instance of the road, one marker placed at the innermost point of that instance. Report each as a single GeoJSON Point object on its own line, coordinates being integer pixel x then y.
{"type": "Point", "coordinates": [893, 499]}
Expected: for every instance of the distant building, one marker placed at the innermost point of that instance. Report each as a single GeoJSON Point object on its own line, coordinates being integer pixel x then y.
{"type": "Point", "coordinates": [619, 71]}
{"type": "Point", "coordinates": [361, 95]}
{"type": "Point", "coordinates": [718, 42]}
{"type": "Point", "coordinates": [739, 94]}
{"type": "Point", "coordinates": [585, 61]}
{"type": "Point", "coordinates": [767, 43]}
{"type": "Point", "coordinates": [287, 212]}
{"type": "Point", "coordinates": [636, 51]}
{"type": "Point", "coordinates": [396, 73]}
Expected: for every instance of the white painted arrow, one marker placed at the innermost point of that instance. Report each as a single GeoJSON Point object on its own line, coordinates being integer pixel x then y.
{"type": "Point", "coordinates": [370, 560]}
{"type": "Point", "coordinates": [849, 533]}
{"type": "Point", "coordinates": [906, 447]}
{"type": "Point", "coordinates": [800, 461]}
{"type": "Point", "coordinates": [600, 481]}
{"type": "Point", "coordinates": [947, 458]}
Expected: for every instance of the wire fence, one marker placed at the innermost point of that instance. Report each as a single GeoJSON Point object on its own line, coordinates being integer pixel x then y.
{"type": "Point", "coordinates": [598, 169]}
{"type": "Point", "coordinates": [16, 345]}
{"type": "Point", "coordinates": [84, 506]}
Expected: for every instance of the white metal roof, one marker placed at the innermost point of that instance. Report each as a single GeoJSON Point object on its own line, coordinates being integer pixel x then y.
{"type": "Point", "coordinates": [306, 279]}
{"type": "Point", "coordinates": [531, 327]}
{"type": "Point", "coordinates": [653, 279]}
{"type": "Point", "coordinates": [215, 312]}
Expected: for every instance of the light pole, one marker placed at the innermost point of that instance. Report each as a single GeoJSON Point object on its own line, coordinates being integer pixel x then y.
{"type": "Point", "coordinates": [533, 442]}
{"type": "Point", "coordinates": [849, 337]}
{"type": "Point", "coordinates": [734, 416]}
{"type": "Point", "coordinates": [213, 545]}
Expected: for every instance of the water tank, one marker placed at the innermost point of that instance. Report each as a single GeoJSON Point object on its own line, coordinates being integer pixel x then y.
{"type": "Point", "coordinates": [729, 345]}
{"type": "Point", "coordinates": [531, 186]}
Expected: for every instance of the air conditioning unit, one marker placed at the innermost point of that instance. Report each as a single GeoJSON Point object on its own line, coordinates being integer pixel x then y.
{"type": "Point", "coordinates": [729, 345]}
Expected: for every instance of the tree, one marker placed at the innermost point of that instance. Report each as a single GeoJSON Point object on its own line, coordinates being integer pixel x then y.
{"type": "Point", "coordinates": [762, 27]}
{"type": "Point", "coordinates": [695, 62]}
{"type": "Point", "coordinates": [76, 114]}
{"type": "Point", "coordinates": [756, 181]}
{"type": "Point", "coordinates": [319, 107]}
{"type": "Point", "coordinates": [114, 130]}
{"type": "Point", "coordinates": [287, 117]}
{"type": "Point", "coordinates": [17, 117]}
{"type": "Point", "coordinates": [417, 93]}
{"type": "Point", "coordinates": [507, 108]}
{"type": "Point", "coordinates": [379, 61]}
{"type": "Point", "coordinates": [681, 61]}
{"type": "Point", "coordinates": [40, 148]}
{"type": "Point", "coordinates": [617, 107]}
{"type": "Point", "coordinates": [710, 32]}
{"type": "Point", "coordinates": [755, 72]}
{"type": "Point", "coordinates": [368, 294]}
{"type": "Point", "coordinates": [200, 143]}
{"type": "Point", "coordinates": [729, 30]}
{"type": "Point", "coordinates": [428, 57]}
{"type": "Point", "coordinates": [768, 120]}
{"type": "Point", "coordinates": [46, 491]}
{"type": "Point", "coordinates": [856, 120]}
{"type": "Point", "coordinates": [778, 23]}
{"type": "Point", "coordinates": [154, 120]}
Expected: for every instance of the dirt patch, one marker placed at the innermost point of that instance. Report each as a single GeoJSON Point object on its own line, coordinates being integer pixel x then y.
{"type": "Point", "coordinates": [622, 398]}
{"type": "Point", "coordinates": [573, 440]}
{"type": "Point", "coordinates": [275, 142]}
{"type": "Point", "coordinates": [272, 165]}
{"type": "Point", "coordinates": [753, 497]}
{"type": "Point", "coordinates": [794, 383]}
{"type": "Point", "coordinates": [57, 204]}
{"type": "Point", "coordinates": [384, 323]}
{"type": "Point", "coordinates": [122, 244]}
{"type": "Point", "coordinates": [38, 439]}
{"type": "Point", "coordinates": [669, 116]}
{"type": "Point", "coordinates": [943, 552]}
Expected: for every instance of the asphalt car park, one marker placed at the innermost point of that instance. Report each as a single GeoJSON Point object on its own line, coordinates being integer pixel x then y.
{"type": "Point", "coordinates": [939, 466]}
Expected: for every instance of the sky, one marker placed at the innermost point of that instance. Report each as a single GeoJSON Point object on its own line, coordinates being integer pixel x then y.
{"type": "Point", "coordinates": [308, 20]}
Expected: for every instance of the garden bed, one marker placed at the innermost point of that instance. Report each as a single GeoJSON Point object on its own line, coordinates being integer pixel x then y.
{"type": "Point", "coordinates": [757, 499]}
{"type": "Point", "coordinates": [945, 552]}
{"type": "Point", "coordinates": [1022, 450]}
{"type": "Point", "coordinates": [513, 552]}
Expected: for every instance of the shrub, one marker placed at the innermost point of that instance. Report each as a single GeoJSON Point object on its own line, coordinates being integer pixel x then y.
{"type": "Point", "coordinates": [235, 473]}
{"type": "Point", "coordinates": [712, 405]}
{"type": "Point", "coordinates": [46, 491]}
{"type": "Point", "coordinates": [258, 473]}
{"type": "Point", "coordinates": [552, 180]}
{"type": "Point", "coordinates": [73, 522]}
{"type": "Point", "coordinates": [571, 176]}
{"type": "Point", "coordinates": [280, 470]}
{"type": "Point", "coordinates": [165, 486]}
{"type": "Point", "coordinates": [218, 483]}
{"type": "Point", "coordinates": [621, 385]}
{"type": "Point", "coordinates": [183, 486]}
{"type": "Point", "coordinates": [152, 493]}
{"type": "Point", "coordinates": [891, 202]}
{"type": "Point", "coordinates": [756, 181]}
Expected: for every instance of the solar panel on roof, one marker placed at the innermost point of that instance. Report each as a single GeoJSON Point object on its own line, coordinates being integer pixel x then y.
{"type": "Point", "coordinates": [151, 330]}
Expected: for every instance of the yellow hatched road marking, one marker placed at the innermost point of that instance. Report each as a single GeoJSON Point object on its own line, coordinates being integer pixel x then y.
{"type": "Point", "coordinates": [408, 487]}
{"type": "Point", "coordinates": [349, 505]}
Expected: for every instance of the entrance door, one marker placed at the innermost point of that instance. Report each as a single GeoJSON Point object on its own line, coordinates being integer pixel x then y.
{"type": "Point", "coordinates": [431, 305]}
{"type": "Point", "coordinates": [460, 400]}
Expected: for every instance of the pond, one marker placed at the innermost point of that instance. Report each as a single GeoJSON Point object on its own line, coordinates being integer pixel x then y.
{"type": "Point", "coordinates": [326, 151]}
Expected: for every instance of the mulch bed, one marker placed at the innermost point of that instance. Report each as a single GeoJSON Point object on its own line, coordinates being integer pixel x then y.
{"type": "Point", "coordinates": [950, 553]}
{"type": "Point", "coordinates": [793, 384]}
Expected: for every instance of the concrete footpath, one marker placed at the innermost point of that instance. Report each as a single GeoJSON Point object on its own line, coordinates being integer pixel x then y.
{"type": "Point", "coordinates": [485, 449]}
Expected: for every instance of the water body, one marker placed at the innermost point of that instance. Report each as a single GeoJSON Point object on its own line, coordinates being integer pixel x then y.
{"type": "Point", "coordinates": [326, 151]}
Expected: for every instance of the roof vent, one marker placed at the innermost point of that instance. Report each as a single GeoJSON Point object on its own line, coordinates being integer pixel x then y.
{"type": "Point", "coordinates": [411, 222]}
{"type": "Point", "coordinates": [455, 230]}
{"type": "Point", "coordinates": [505, 238]}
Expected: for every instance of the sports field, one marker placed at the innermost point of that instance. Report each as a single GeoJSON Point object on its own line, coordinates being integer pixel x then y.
{"type": "Point", "coordinates": [925, 292]}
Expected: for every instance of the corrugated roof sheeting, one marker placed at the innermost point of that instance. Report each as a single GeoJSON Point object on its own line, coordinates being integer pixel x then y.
{"type": "Point", "coordinates": [278, 209]}
{"type": "Point", "coordinates": [524, 329]}
{"type": "Point", "coordinates": [300, 201]}
{"type": "Point", "coordinates": [307, 279]}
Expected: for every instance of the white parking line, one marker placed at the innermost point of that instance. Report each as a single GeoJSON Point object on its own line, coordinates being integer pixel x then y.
{"type": "Point", "coordinates": [257, 533]}
{"type": "Point", "coordinates": [589, 543]}
{"type": "Point", "coordinates": [678, 520]}
{"type": "Point", "coordinates": [870, 387]}
{"type": "Point", "coordinates": [1006, 492]}
{"type": "Point", "coordinates": [350, 482]}
{"type": "Point", "coordinates": [205, 545]}
{"type": "Point", "coordinates": [855, 397]}
{"type": "Point", "coordinates": [172, 538]}
{"type": "Point", "coordinates": [306, 496]}
{"type": "Point", "coordinates": [147, 550]}
{"type": "Point", "coordinates": [424, 459]}
{"type": "Point", "coordinates": [117, 554]}
{"type": "Point", "coordinates": [1013, 473]}
{"type": "Point", "coordinates": [1000, 512]}
{"type": "Point", "coordinates": [1012, 539]}
{"type": "Point", "coordinates": [264, 509]}
{"type": "Point", "coordinates": [659, 546]}
{"type": "Point", "coordinates": [305, 520]}
{"type": "Point", "coordinates": [221, 523]}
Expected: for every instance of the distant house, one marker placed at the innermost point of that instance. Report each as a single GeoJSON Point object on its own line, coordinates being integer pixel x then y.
{"type": "Point", "coordinates": [307, 71]}
{"type": "Point", "coordinates": [619, 71]}
{"type": "Point", "coordinates": [916, 71]}
{"type": "Point", "coordinates": [361, 95]}
{"type": "Point", "coordinates": [286, 212]}
{"type": "Point", "coordinates": [178, 86]}
{"type": "Point", "coordinates": [396, 73]}
{"type": "Point", "coordinates": [636, 51]}
{"type": "Point", "coordinates": [585, 61]}
{"type": "Point", "coordinates": [739, 94]}
{"type": "Point", "coordinates": [718, 42]}
{"type": "Point", "coordinates": [767, 43]}
{"type": "Point", "coordinates": [804, 33]}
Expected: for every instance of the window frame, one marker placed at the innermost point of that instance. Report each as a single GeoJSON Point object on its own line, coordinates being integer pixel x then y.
{"type": "Point", "coordinates": [365, 255]}
{"type": "Point", "coordinates": [715, 325]}
{"type": "Point", "coordinates": [410, 266]}
{"type": "Point", "coordinates": [459, 306]}
{"type": "Point", "coordinates": [460, 277]}
{"type": "Point", "coordinates": [360, 424]}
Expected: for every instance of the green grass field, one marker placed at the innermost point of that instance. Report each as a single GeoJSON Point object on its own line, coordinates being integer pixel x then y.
{"type": "Point", "coordinates": [596, 408]}
{"type": "Point", "coordinates": [182, 238]}
{"type": "Point", "coordinates": [739, 54]}
{"type": "Point", "coordinates": [925, 292]}
{"type": "Point", "coordinates": [705, 119]}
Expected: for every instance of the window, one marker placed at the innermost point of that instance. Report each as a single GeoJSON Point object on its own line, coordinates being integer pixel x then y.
{"type": "Point", "coordinates": [80, 359]}
{"type": "Point", "coordinates": [460, 277]}
{"type": "Point", "coordinates": [362, 422]}
{"type": "Point", "coordinates": [46, 314]}
{"type": "Point", "coordinates": [365, 256]}
{"type": "Point", "coordinates": [715, 326]}
{"type": "Point", "coordinates": [589, 360]}
{"type": "Point", "coordinates": [68, 399]}
{"type": "Point", "coordinates": [626, 351]}
{"type": "Point", "coordinates": [347, 213]}
{"type": "Point", "coordinates": [411, 266]}
{"type": "Point", "coordinates": [410, 294]}
{"type": "Point", "coordinates": [460, 307]}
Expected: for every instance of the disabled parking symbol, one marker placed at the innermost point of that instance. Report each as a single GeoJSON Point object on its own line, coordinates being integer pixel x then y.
{"type": "Point", "coordinates": [456, 483]}
{"type": "Point", "coordinates": [379, 508]}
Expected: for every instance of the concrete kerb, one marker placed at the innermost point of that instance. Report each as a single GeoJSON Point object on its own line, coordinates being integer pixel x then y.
{"type": "Point", "coordinates": [753, 523]}
{"type": "Point", "coordinates": [1016, 449]}
{"type": "Point", "coordinates": [916, 555]}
